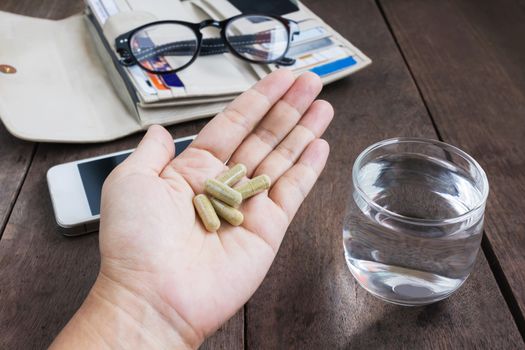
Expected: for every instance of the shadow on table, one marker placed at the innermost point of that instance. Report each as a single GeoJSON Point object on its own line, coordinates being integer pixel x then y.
{"type": "Point", "coordinates": [399, 327]}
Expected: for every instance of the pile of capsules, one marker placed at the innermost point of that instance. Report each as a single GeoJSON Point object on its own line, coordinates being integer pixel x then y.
{"type": "Point", "coordinates": [224, 199]}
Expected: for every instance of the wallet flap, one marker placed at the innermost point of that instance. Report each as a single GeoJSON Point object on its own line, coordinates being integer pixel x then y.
{"type": "Point", "coordinates": [60, 91]}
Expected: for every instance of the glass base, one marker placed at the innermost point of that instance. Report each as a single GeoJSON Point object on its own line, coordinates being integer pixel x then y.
{"type": "Point", "coordinates": [402, 286]}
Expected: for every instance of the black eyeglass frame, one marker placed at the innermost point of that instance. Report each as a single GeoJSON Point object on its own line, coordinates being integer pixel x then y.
{"type": "Point", "coordinates": [127, 58]}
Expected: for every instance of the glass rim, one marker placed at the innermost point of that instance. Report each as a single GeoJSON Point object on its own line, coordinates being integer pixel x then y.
{"type": "Point", "coordinates": [424, 222]}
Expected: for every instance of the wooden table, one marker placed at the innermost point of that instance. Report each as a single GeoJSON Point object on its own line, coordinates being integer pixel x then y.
{"type": "Point", "coordinates": [452, 70]}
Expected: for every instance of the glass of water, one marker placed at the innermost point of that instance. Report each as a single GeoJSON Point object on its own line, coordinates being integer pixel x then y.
{"type": "Point", "coordinates": [413, 227]}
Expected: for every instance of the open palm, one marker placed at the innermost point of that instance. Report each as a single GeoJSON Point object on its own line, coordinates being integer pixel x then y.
{"type": "Point", "coordinates": [152, 242]}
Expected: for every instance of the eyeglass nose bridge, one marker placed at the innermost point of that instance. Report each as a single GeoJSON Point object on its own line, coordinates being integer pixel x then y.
{"type": "Point", "coordinates": [210, 23]}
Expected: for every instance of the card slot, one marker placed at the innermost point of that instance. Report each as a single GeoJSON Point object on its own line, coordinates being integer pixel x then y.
{"type": "Point", "coordinates": [206, 10]}
{"type": "Point", "coordinates": [215, 75]}
{"type": "Point", "coordinates": [120, 5]}
{"type": "Point", "coordinates": [311, 47]}
{"type": "Point", "coordinates": [186, 101]}
{"type": "Point", "coordinates": [261, 70]}
{"type": "Point", "coordinates": [222, 8]}
{"type": "Point", "coordinates": [178, 114]}
{"type": "Point", "coordinates": [121, 80]}
{"type": "Point", "coordinates": [164, 9]}
{"type": "Point", "coordinates": [321, 57]}
{"type": "Point", "coordinates": [344, 63]}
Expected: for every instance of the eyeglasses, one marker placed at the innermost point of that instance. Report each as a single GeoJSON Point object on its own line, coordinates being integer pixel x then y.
{"type": "Point", "coordinates": [169, 46]}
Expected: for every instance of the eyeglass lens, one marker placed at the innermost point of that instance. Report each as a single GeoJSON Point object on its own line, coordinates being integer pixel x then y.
{"type": "Point", "coordinates": [164, 47]}
{"type": "Point", "coordinates": [258, 38]}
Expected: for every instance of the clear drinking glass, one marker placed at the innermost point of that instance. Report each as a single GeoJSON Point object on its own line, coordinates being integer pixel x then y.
{"type": "Point", "coordinates": [413, 227]}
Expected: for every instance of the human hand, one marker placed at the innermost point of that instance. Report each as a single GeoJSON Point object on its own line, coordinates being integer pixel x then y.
{"type": "Point", "coordinates": [153, 246]}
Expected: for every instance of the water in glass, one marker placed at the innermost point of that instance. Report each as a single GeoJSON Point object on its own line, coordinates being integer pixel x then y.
{"type": "Point", "coordinates": [402, 247]}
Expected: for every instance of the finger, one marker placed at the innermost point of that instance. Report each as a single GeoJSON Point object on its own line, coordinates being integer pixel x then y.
{"type": "Point", "coordinates": [292, 188]}
{"type": "Point", "coordinates": [312, 126]}
{"type": "Point", "coordinates": [224, 133]}
{"type": "Point", "coordinates": [282, 118]}
{"type": "Point", "coordinates": [154, 152]}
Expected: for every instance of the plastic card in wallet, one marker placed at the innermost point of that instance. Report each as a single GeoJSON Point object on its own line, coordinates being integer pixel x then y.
{"type": "Point", "coordinates": [274, 7]}
{"type": "Point", "coordinates": [80, 93]}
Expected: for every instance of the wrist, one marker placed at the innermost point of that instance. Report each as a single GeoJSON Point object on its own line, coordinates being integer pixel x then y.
{"type": "Point", "coordinates": [113, 316]}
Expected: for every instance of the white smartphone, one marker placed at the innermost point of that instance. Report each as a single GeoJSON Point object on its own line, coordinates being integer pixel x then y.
{"type": "Point", "coordinates": [76, 189]}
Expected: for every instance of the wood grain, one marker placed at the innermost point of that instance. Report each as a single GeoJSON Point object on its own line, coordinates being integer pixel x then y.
{"type": "Point", "coordinates": [468, 59]}
{"type": "Point", "coordinates": [15, 157]}
{"type": "Point", "coordinates": [52, 9]}
{"type": "Point", "coordinates": [309, 299]}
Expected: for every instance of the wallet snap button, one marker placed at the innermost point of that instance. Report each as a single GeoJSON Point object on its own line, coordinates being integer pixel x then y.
{"type": "Point", "coordinates": [7, 69]}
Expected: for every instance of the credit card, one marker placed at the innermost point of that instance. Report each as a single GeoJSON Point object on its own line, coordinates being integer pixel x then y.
{"type": "Point", "coordinates": [141, 80]}
{"type": "Point", "coordinates": [111, 7]}
{"type": "Point", "coordinates": [309, 34]}
{"type": "Point", "coordinates": [161, 64]}
{"type": "Point", "coordinates": [172, 80]}
{"type": "Point", "coordinates": [98, 10]}
{"type": "Point", "coordinates": [271, 7]}
{"type": "Point", "coordinates": [163, 92]}
{"type": "Point", "coordinates": [159, 85]}
{"type": "Point", "coordinates": [334, 66]}
{"type": "Point", "coordinates": [103, 9]}
{"type": "Point", "coordinates": [309, 47]}
{"type": "Point", "coordinates": [318, 58]}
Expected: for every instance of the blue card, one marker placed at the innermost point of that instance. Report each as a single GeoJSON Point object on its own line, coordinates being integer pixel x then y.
{"type": "Point", "coordinates": [334, 66]}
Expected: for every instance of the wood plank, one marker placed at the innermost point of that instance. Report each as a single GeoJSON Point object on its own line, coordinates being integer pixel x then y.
{"type": "Point", "coordinates": [52, 9]}
{"type": "Point", "coordinates": [45, 276]}
{"type": "Point", "coordinates": [468, 59]}
{"type": "Point", "coordinates": [15, 157]}
{"type": "Point", "coordinates": [309, 299]}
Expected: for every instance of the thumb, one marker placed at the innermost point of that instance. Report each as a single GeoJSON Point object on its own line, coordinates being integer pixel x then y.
{"type": "Point", "coordinates": [153, 153]}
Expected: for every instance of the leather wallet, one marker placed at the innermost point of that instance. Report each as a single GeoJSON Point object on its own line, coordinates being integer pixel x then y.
{"type": "Point", "coordinates": [68, 86]}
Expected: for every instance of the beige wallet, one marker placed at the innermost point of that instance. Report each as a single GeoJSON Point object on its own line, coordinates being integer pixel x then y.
{"type": "Point", "coordinates": [69, 88]}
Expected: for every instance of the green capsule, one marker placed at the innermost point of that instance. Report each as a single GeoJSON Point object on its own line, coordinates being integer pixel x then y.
{"type": "Point", "coordinates": [232, 176]}
{"type": "Point", "coordinates": [206, 212]}
{"type": "Point", "coordinates": [256, 185]}
{"type": "Point", "coordinates": [232, 215]}
{"type": "Point", "coordinates": [223, 192]}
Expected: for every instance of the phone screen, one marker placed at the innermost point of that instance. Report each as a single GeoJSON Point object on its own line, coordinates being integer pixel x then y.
{"type": "Point", "coordinates": [94, 172]}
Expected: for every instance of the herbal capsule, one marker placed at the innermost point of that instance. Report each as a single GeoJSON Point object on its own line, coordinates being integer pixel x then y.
{"type": "Point", "coordinates": [232, 215]}
{"type": "Point", "coordinates": [232, 176]}
{"type": "Point", "coordinates": [254, 186]}
{"type": "Point", "coordinates": [206, 212]}
{"type": "Point", "coordinates": [223, 192]}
